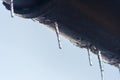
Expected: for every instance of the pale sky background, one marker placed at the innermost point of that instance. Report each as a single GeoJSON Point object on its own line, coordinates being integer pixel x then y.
{"type": "Point", "coordinates": [29, 51]}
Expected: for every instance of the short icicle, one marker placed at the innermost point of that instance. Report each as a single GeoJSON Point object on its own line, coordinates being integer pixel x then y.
{"type": "Point", "coordinates": [58, 34]}
{"type": "Point", "coordinates": [100, 65]}
{"type": "Point", "coordinates": [119, 68]}
{"type": "Point", "coordinates": [12, 8]}
{"type": "Point", "coordinates": [89, 57]}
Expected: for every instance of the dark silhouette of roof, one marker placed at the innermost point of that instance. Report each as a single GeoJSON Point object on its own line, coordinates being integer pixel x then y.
{"type": "Point", "coordinates": [90, 24]}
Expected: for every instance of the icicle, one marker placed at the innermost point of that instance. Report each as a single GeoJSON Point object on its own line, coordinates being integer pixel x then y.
{"type": "Point", "coordinates": [100, 64]}
{"type": "Point", "coordinates": [58, 35]}
{"type": "Point", "coordinates": [89, 57]}
{"type": "Point", "coordinates": [119, 68]}
{"type": "Point", "coordinates": [12, 8]}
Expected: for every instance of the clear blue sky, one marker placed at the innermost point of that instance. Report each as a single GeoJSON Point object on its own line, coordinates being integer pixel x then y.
{"type": "Point", "coordinates": [29, 51]}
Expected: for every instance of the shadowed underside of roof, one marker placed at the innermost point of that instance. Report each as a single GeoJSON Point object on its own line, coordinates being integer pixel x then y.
{"type": "Point", "coordinates": [90, 24]}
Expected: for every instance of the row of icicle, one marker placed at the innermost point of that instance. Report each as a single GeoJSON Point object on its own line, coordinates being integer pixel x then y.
{"type": "Point", "coordinates": [100, 60]}
{"type": "Point", "coordinates": [60, 47]}
{"type": "Point", "coordinates": [56, 25]}
{"type": "Point", "coordinates": [89, 56]}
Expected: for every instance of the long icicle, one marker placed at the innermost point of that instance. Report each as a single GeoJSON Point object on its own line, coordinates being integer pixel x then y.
{"type": "Point", "coordinates": [58, 35]}
{"type": "Point", "coordinates": [89, 57]}
{"type": "Point", "coordinates": [100, 64]}
{"type": "Point", "coordinates": [12, 8]}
